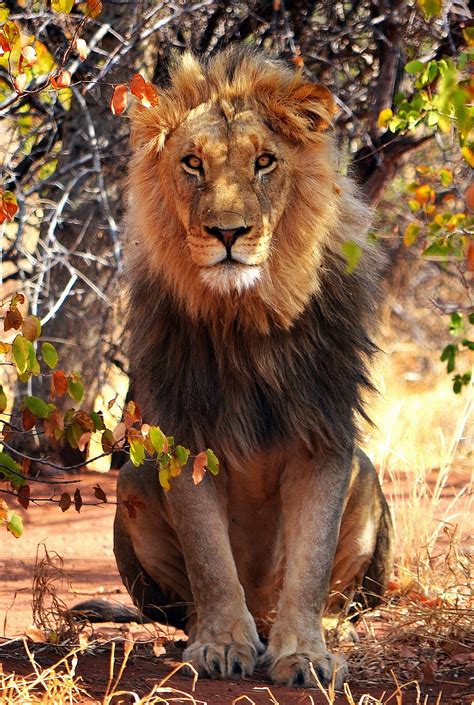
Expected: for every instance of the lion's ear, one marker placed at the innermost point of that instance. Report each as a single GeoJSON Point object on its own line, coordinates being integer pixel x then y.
{"type": "Point", "coordinates": [315, 103]}
{"type": "Point", "coordinates": [147, 129]}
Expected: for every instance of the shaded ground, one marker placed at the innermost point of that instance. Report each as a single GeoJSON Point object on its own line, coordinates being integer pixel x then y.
{"type": "Point", "coordinates": [85, 544]}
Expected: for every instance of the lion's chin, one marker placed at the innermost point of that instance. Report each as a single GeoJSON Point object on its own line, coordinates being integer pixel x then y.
{"type": "Point", "coordinates": [228, 277]}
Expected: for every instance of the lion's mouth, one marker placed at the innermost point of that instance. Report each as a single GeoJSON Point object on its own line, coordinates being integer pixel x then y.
{"type": "Point", "coordinates": [230, 275]}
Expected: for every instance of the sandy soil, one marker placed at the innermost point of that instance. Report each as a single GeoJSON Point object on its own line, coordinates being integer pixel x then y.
{"type": "Point", "coordinates": [85, 544]}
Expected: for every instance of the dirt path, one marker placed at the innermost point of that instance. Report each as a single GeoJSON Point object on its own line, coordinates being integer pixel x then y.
{"type": "Point", "coordinates": [85, 544]}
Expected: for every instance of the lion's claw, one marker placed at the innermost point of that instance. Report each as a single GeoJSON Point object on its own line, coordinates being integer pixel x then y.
{"type": "Point", "coordinates": [305, 670]}
{"type": "Point", "coordinates": [221, 660]}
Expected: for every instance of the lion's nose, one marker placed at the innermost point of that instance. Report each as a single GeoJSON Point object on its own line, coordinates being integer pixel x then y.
{"type": "Point", "coordinates": [227, 235]}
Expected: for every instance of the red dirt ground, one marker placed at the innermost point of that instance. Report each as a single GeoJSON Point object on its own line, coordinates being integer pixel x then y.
{"type": "Point", "coordinates": [85, 544]}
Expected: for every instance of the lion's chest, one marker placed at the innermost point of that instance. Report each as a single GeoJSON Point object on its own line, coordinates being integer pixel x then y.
{"type": "Point", "coordinates": [255, 531]}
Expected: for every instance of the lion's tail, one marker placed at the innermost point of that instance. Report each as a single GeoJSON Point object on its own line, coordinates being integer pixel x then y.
{"type": "Point", "coordinates": [98, 610]}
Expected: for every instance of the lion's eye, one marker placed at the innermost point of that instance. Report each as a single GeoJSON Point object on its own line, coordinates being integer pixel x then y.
{"type": "Point", "coordinates": [192, 164]}
{"type": "Point", "coordinates": [265, 162]}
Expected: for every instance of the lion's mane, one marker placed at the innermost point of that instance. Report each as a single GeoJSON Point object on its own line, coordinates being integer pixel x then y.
{"type": "Point", "coordinates": [282, 361]}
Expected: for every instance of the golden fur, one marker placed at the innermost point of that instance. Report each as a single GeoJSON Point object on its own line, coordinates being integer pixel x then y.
{"type": "Point", "coordinates": [248, 336]}
{"type": "Point", "coordinates": [311, 203]}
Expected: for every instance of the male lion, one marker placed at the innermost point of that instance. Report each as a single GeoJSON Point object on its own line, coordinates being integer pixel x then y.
{"type": "Point", "coordinates": [248, 336]}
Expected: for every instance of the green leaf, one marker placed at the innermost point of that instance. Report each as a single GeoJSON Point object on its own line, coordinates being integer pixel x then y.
{"type": "Point", "coordinates": [449, 355]}
{"type": "Point", "coordinates": [414, 66]}
{"type": "Point", "coordinates": [20, 350]}
{"type": "Point", "coordinates": [157, 438]}
{"type": "Point", "coordinates": [33, 364]}
{"type": "Point", "coordinates": [15, 524]}
{"type": "Point", "coordinates": [11, 470]}
{"type": "Point", "coordinates": [446, 177]}
{"type": "Point", "coordinates": [456, 326]}
{"type": "Point", "coordinates": [3, 400]}
{"type": "Point", "coordinates": [137, 453]}
{"type": "Point", "coordinates": [468, 344]}
{"type": "Point", "coordinates": [50, 356]}
{"type": "Point", "coordinates": [98, 421]}
{"type": "Point", "coordinates": [75, 387]}
{"type": "Point", "coordinates": [182, 455]}
{"type": "Point", "coordinates": [430, 8]}
{"type": "Point", "coordinates": [436, 249]}
{"type": "Point", "coordinates": [212, 462]}
{"type": "Point", "coordinates": [352, 253]}
{"type": "Point", "coordinates": [38, 407]}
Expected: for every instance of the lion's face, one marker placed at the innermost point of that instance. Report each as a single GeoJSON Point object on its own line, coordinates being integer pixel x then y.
{"type": "Point", "coordinates": [231, 174]}
{"type": "Point", "coordinates": [234, 191]}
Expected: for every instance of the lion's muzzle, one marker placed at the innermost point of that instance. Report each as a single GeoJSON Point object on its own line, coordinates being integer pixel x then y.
{"type": "Point", "coordinates": [227, 236]}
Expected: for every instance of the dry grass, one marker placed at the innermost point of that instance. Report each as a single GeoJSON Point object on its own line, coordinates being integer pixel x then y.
{"type": "Point", "coordinates": [51, 615]}
{"type": "Point", "coordinates": [60, 684]}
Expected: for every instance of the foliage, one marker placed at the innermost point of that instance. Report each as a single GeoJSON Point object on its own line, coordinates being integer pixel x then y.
{"type": "Point", "coordinates": [66, 59]}
{"type": "Point", "coordinates": [66, 424]}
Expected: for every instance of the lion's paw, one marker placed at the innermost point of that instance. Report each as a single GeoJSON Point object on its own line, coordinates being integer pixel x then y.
{"type": "Point", "coordinates": [232, 660]}
{"type": "Point", "coordinates": [303, 670]}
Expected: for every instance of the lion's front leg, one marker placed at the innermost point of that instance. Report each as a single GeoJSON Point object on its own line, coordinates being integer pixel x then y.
{"type": "Point", "coordinates": [223, 640]}
{"type": "Point", "coordinates": [312, 502]}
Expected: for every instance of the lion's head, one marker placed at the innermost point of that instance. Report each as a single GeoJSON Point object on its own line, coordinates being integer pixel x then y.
{"type": "Point", "coordinates": [234, 188]}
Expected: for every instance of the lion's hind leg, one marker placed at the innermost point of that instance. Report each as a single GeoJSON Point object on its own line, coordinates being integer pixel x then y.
{"type": "Point", "coordinates": [364, 555]}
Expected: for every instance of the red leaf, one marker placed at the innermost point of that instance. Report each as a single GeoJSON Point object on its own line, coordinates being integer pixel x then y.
{"type": "Point", "coordinates": [108, 441]}
{"type": "Point", "coordinates": [61, 79]}
{"type": "Point", "coordinates": [58, 384]}
{"type": "Point", "coordinates": [99, 493]}
{"type": "Point", "coordinates": [132, 503]}
{"type": "Point", "coordinates": [24, 496]}
{"type": "Point", "coordinates": [199, 467]}
{"type": "Point", "coordinates": [470, 256]}
{"type": "Point", "coordinates": [132, 414]}
{"type": "Point", "coordinates": [84, 440]}
{"type": "Point", "coordinates": [94, 8]}
{"type": "Point", "coordinates": [77, 500]}
{"type": "Point", "coordinates": [469, 196]}
{"type": "Point", "coordinates": [137, 85]}
{"type": "Point", "coordinates": [112, 402]}
{"type": "Point", "coordinates": [28, 420]}
{"type": "Point", "coordinates": [9, 208]}
{"type": "Point", "coordinates": [119, 99]}
{"type": "Point", "coordinates": [54, 426]}
{"type": "Point", "coordinates": [65, 501]}
{"type": "Point", "coordinates": [13, 319]}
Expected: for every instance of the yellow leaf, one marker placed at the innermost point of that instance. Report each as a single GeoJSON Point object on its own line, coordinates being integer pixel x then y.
{"type": "Point", "coordinates": [468, 155]}
{"type": "Point", "coordinates": [62, 5]}
{"type": "Point", "coordinates": [411, 233]}
{"type": "Point", "coordinates": [384, 117]}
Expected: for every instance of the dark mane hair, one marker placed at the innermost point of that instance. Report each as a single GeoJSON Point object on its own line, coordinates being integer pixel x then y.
{"type": "Point", "coordinates": [283, 361]}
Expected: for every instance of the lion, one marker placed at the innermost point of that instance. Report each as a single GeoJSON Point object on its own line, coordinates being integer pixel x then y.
{"type": "Point", "coordinates": [248, 336]}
